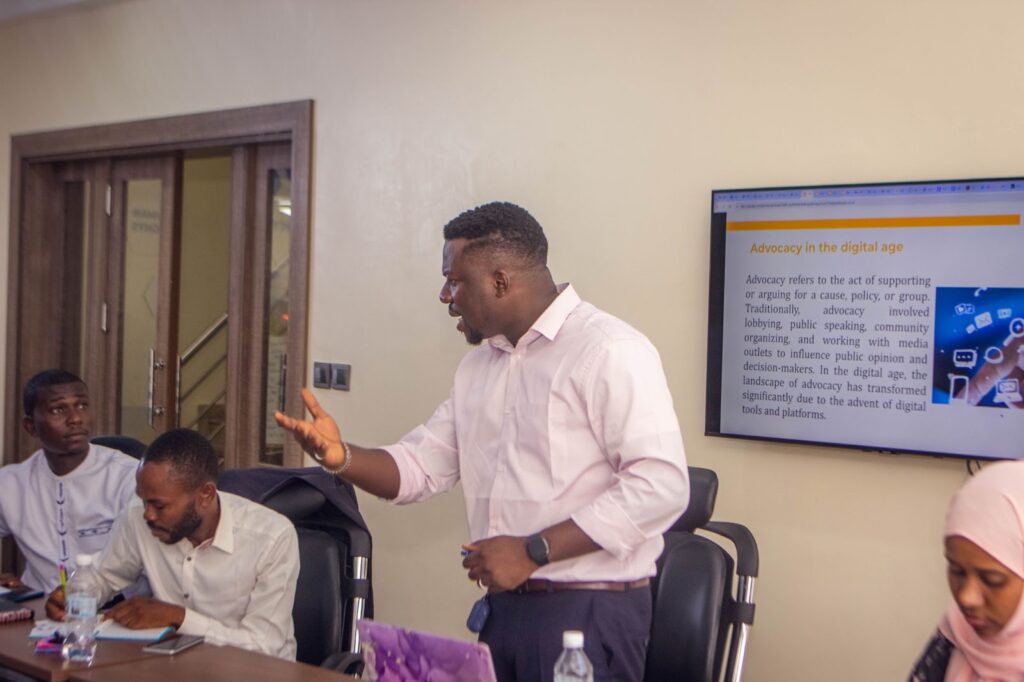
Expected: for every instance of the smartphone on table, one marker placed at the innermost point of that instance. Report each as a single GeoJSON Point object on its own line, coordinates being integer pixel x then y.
{"type": "Point", "coordinates": [173, 644]}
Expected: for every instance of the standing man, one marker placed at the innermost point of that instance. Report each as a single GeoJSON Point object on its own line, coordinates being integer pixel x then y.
{"type": "Point", "coordinates": [562, 431]}
{"type": "Point", "coordinates": [61, 501]}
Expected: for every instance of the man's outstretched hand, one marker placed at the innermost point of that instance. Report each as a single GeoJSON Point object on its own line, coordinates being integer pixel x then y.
{"type": "Point", "coordinates": [318, 436]}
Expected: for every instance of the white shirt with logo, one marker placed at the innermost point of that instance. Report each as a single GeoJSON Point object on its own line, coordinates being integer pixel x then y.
{"type": "Point", "coordinates": [55, 518]}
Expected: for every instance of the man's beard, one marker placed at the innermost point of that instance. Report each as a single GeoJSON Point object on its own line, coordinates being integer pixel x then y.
{"type": "Point", "coordinates": [188, 524]}
{"type": "Point", "coordinates": [473, 337]}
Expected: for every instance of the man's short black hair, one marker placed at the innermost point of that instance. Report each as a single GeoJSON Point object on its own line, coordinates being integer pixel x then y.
{"type": "Point", "coordinates": [45, 379]}
{"type": "Point", "coordinates": [503, 226]}
{"type": "Point", "coordinates": [192, 459]}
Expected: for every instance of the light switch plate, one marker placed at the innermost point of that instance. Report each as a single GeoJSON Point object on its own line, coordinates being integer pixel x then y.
{"type": "Point", "coordinates": [340, 376]}
{"type": "Point", "coordinates": [322, 374]}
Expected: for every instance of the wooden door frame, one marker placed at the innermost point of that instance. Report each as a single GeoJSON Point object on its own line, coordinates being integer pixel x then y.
{"type": "Point", "coordinates": [32, 153]}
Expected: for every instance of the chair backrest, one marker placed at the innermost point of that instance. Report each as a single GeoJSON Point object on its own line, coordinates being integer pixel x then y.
{"type": "Point", "coordinates": [318, 610]}
{"type": "Point", "coordinates": [126, 444]}
{"type": "Point", "coordinates": [309, 508]}
{"type": "Point", "coordinates": [694, 608]}
{"type": "Point", "coordinates": [687, 629]}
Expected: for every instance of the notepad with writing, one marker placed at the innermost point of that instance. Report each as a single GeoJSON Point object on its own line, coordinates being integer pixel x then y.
{"type": "Point", "coordinates": [107, 629]}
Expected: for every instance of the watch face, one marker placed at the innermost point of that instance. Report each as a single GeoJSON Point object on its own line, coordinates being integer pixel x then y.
{"type": "Point", "coordinates": [537, 549]}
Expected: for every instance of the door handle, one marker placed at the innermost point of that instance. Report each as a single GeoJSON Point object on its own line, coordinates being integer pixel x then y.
{"type": "Point", "coordinates": [154, 411]}
{"type": "Point", "coordinates": [282, 378]}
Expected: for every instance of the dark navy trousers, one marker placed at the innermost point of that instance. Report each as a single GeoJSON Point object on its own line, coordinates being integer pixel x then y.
{"type": "Point", "coordinates": [524, 632]}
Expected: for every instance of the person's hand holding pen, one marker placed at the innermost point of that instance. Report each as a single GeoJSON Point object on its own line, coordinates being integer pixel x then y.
{"type": "Point", "coordinates": [499, 563]}
{"type": "Point", "coordinates": [55, 604]}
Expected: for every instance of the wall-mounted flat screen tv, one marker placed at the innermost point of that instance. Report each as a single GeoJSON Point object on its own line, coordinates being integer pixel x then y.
{"type": "Point", "coordinates": [874, 316]}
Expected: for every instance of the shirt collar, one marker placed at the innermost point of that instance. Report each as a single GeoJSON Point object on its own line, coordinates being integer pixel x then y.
{"type": "Point", "coordinates": [224, 536]}
{"type": "Point", "coordinates": [87, 465]}
{"type": "Point", "coordinates": [550, 321]}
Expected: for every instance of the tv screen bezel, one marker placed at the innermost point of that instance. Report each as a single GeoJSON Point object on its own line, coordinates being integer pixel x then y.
{"type": "Point", "coordinates": [716, 308]}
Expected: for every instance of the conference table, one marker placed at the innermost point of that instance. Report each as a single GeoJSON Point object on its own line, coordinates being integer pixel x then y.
{"type": "Point", "coordinates": [120, 661]}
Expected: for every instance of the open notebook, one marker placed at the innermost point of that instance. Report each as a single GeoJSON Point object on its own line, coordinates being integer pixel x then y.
{"type": "Point", "coordinates": [394, 654]}
{"type": "Point", "coordinates": [107, 629]}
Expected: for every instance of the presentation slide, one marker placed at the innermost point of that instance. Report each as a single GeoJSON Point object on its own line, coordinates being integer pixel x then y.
{"type": "Point", "coordinates": [886, 317]}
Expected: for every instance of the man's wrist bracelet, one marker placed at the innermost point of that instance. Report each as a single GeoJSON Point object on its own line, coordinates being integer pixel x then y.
{"type": "Point", "coordinates": [340, 469]}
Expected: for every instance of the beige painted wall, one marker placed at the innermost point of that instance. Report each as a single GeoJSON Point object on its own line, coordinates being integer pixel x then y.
{"type": "Point", "coordinates": [611, 121]}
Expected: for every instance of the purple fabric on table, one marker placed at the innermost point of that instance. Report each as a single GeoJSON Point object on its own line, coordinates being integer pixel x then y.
{"type": "Point", "coordinates": [394, 654]}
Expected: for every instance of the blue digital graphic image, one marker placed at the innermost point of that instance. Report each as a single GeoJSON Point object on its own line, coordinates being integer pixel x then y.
{"type": "Point", "coordinates": [979, 347]}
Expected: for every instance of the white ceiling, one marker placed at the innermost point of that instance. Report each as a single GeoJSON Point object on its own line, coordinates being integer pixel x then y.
{"type": "Point", "coordinates": [15, 9]}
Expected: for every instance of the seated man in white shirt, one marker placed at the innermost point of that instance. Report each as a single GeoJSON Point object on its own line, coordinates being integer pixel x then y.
{"type": "Point", "coordinates": [219, 565]}
{"type": "Point", "coordinates": [62, 501]}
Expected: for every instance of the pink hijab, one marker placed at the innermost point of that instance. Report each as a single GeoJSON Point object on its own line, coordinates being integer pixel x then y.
{"type": "Point", "coordinates": [989, 511]}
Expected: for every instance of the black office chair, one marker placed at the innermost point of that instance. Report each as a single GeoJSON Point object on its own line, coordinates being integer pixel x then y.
{"type": "Point", "coordinates": [126, 444]}
{"type": "Point", "coordinates": [318, 612]}
{"type": "Point", "coordinates": [700, 626]}
{"type": "Point", "coordinates": [331, 530]}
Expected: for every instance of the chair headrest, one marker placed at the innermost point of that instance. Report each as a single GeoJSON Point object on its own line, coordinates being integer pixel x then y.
{"type": "Point", "coordinates": [703, 491]}
{"type": "Point", "coordinates": [126, 444]}
{"type": "Point", "coordinates": [296, 500]}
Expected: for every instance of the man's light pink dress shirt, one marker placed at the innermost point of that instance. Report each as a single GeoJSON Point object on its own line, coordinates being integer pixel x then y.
{"type": "Point", "coordinates": [577, 422]}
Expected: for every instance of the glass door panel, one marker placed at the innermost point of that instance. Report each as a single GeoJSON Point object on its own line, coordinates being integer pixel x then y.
{"type": "Point", "coordinates": [77, 243]}
{"type": "Point", "coordinates": [279, 215]}
{"type": "Point", "coordinates": [142, 212]}
{"type": "Point", "coordinates": [203, 297]}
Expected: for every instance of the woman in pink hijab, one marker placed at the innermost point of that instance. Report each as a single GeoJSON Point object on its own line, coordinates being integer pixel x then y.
{"type": "Point", "coordinates": [981, 635]}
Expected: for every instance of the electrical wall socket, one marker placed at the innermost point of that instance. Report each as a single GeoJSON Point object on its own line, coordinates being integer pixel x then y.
{"type": "Point", "coordinates": [340, 376]}
{"type": "Point", "coordinates": [322, 374]}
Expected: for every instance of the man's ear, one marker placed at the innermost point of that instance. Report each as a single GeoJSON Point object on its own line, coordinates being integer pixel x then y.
{"type": "Point", "coordinates": [502, 282]}
{"type": "Point", "coordinates": [208, 492]}
{"type": "Point", "coordinates": [30, 426]}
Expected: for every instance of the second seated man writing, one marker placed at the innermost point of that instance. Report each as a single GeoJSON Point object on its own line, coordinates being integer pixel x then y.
{"type": "Point", "coordinates": [561, 428]}
{"type": "Point", "coordinates": [219, 565]}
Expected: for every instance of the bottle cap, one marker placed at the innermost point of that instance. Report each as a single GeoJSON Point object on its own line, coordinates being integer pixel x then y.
{"type": "Point", "coordinates": [83, 560]}
{"type": "Point", "coordinates": [572, 639]}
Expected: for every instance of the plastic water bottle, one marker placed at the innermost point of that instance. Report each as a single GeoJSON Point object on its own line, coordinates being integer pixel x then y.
{"type": "Point", "coordinates": [81, 600]}
{"type": "Point", "coordinates": [573, 665]}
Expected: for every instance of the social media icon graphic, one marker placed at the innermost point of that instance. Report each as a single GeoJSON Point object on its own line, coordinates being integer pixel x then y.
{"type": "Point", "coordinates": [970, 329]}
{"type": "Point", "coordinates": [1008, 391]}
{"type": "Point", "coordinates": [958, 384]}
{"type": "Point", "coordinates": [1004, 313]}
{"type": "Point", "coordinates": [964, 308]}
{"type": "Point", "coordinates": [994, 354]}
{"type": "Point", "coordinates": [1017, 327]}
{"type": "Point", "coordinates": [965, 357]}
{"type": "Point", "coordinates": [983, 320]}
{"type": "Point", "coordinates": [979, 291]}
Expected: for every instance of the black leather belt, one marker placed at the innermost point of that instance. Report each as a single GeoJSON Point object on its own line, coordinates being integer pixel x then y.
{"type": "Point", "coordinates": [534, 585]}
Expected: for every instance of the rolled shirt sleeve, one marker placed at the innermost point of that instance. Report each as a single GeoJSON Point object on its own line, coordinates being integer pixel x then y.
{"type": "Point", "coordinates": [427, 457]}
{"type": "Point", "coordinates": [630, 411]}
